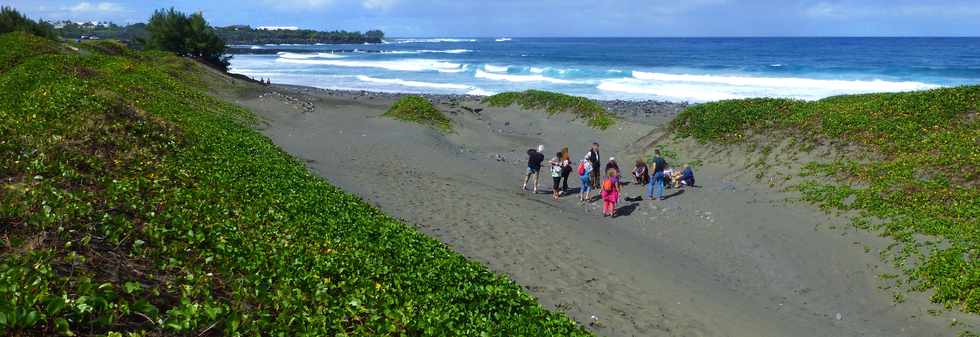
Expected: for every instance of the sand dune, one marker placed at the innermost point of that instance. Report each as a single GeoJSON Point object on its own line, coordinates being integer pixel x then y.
{"type": "Point", "coordinates": [732, 258]}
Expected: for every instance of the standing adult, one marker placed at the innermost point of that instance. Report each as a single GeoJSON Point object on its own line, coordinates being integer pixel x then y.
{"type": "Point", "coordinates": [566, 169]}
{"type": "Point", "coordinates": [594, 158]}
{"type": "Point", "coordinates": [656, 187]}
{"type": "Point", "coordinates": [534, 159]}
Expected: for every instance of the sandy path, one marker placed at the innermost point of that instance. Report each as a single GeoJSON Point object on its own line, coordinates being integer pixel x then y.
{"type": "Point", "coordinates": [728, 259]}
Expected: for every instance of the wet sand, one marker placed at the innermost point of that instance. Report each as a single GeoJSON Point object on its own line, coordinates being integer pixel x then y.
{"type": "Point", "coordinates": [733, 257]}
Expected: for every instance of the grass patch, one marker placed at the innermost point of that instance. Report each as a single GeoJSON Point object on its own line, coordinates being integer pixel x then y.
{"type": "Point", "coordinates": [132, 201]}
{"type": "Point", "coordinates": [419, 110]}
{"type": "Point", "coordinates": [553, 103]}
{"type": "Point", "coordinates": [924, 186]}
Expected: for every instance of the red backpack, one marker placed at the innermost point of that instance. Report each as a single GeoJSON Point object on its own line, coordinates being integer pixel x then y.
{"type": "Point", "coordinates": [581, 169]}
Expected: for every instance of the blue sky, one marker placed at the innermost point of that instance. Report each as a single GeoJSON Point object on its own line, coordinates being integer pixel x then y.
{"type": "Point", "coordinates": [557, 17]}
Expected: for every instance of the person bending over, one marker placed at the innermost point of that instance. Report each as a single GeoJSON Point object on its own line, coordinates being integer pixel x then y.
{"type": "Point", "coordinates": [534, 159]}
{"type": "Point", "coordinates": [687, 176]}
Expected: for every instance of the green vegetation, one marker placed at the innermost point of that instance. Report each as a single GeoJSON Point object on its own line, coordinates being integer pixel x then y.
{"type": "Point", "coordinates": [248, 35]}
{"type": "Point", "coordinates": [12, 21]}
{"type": "Point", "coordinates": [553, 103]}
{"type": "Point", "coordinates": [186, 35]}
{"type": "Point", "coordinates": [132, 201]}
{"type": "Point", "coordinates": [419, 110]}
{"type": "Point", "coordinates": [136, 34]}
{"type": "Point", "coordinates": [922, 190]}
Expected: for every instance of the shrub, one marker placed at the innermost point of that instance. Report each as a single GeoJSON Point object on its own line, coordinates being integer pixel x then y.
{"type": "Point", "coordinates": [12, 21]}
{"type": "Point", "coordinates": [186, 35]}
{"type": "Point", "coordinates": [926, 182]}
{"type": "Point", "coordinates": [419, 110]}
{"type": "Point", "coordinates": [553, 103]}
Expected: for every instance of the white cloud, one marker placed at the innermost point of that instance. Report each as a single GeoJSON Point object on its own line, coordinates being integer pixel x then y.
{"type": "Point", "coordinates": [101, 7]}
{"type": "Point", "coordinates": [379, 4]}
{"type": "Point", "coordinates": [823, 10]}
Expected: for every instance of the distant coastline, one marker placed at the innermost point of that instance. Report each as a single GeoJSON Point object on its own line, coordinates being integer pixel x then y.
{"type": "Point", "coordinates": [232, 35]}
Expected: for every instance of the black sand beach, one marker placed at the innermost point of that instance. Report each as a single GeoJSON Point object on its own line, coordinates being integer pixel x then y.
{"type": "Point", "coordinates": [733, 257]}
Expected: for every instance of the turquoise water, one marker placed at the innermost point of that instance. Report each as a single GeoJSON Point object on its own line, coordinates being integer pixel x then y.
{"type": "Point", "coordinates": [674, 69]}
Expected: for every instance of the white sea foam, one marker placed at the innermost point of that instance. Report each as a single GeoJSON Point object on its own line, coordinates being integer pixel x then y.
{"type": "Point", "coordinates": [503, 39]}
{"type": "Point", "coordinates": [437, 40]}
{"type": "Point", "coordinates": [673, 92]}
{"type": "Point", "coordinates": [427, 51]}
{"type": "Point", "coordinates": [417, 84]}
{"type": "Point", "coordinates": [520, 78]}
{"type": "Point", "coordinates": [849, 86]}
{"type": "Point", "coordinates": [495, 69]}
{"type": "Point", "coordinates": [399, 65]}
{"type": "Point", "coordinates": [552, 70]}
{"type": "Point", "coordinates": [701, 88]}
{"type": "Point", "coordinates": [288, 55]}
{"type": "Point", "coordinates": [254, 47]}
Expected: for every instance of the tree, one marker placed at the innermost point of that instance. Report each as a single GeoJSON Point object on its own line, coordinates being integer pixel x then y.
{"type": "Point", "coordinates": [12, 21]}
{"type": "Point", "coordinates": [186, 35]}
{"type": "Point", "coordinates": [374, 35]}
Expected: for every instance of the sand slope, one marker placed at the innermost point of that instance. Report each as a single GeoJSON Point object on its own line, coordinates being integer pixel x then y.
{"type": "Point", "coordinates": [732, 258]}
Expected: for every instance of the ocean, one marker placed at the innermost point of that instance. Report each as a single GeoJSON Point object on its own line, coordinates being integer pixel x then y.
{"type": "Point", "coordinates": [671, 69]}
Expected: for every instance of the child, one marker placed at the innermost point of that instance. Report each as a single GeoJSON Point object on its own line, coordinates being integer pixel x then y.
{"type": "Point", "coordinates": [584, 175]}
{"type": "Point", "coordinates": [610, 192]}
{"type": "Point", "coordinates": [556, 169]}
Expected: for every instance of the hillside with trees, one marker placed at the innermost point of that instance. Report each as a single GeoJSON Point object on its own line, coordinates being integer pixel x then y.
{"type": "Point", "coordinates": [13, 21]}
{"type": "Point", "coordinates": [135, 34]}
{"type": "Point", "coordinates": [249, 35]}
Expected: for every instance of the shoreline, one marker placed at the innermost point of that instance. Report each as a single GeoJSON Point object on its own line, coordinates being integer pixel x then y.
{"type": "Point", "coordinates": [634, 110]}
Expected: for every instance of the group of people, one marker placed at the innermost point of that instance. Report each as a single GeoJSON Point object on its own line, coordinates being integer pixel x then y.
{"type": "Point", "coordinates": [591, 177]}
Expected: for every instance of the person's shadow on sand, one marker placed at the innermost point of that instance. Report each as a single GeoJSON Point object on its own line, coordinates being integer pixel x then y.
{"type": "Point", "coordinates": [626, 210]}
{"type": "Point", "coordinates": [676, 193]}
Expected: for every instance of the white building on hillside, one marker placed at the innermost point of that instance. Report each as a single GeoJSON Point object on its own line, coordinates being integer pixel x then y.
{"type": "Point", "coordinates": [277, 28]}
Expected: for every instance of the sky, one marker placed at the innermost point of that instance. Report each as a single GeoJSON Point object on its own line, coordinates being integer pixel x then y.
{"type": "Point", "coordinates": [555, 18]}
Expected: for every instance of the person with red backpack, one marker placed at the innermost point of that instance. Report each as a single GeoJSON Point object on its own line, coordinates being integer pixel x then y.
{"type": "Point", "coordinates": [610, 192]}
{"type": "Point", "coordinates": [585, 176]}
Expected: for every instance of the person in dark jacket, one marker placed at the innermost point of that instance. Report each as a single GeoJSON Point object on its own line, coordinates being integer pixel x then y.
{"type": "Point", "coordinates": [534, 159]}
{"type": "Point", "coordinates": [566, 169]}
{"type": "Point", "coordinates": [594, 159]}
{"type": "Point", "coordinates": [656, 186]}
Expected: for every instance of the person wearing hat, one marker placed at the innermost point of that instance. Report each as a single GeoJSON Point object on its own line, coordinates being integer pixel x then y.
{"type": "Point", "coordinates": [534, 159]}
